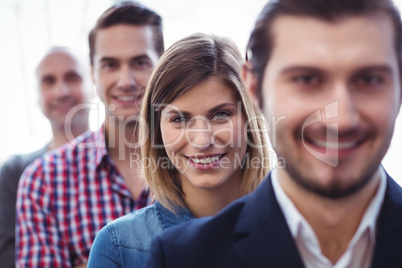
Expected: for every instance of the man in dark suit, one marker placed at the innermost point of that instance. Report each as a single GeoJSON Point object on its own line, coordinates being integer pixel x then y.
{"type": "Point", "coordinates": [327, 76]}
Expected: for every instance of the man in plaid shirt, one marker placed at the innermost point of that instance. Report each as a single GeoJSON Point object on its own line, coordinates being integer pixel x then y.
{"type": "Point", "coordinates": [68, 195]}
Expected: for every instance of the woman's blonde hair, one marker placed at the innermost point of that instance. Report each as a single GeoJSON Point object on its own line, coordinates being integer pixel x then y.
{"type": "Point", "coordinates": [185, 64]}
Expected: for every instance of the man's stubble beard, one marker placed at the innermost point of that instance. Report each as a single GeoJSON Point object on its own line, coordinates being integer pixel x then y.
{"type": "Point", "coordinates": [335, 190]}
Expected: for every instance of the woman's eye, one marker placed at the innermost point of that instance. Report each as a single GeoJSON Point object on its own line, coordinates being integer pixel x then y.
{"type": "Point", "coordinates": [221, 115]}
{"type": "Point", "coordinates": [179, 119]}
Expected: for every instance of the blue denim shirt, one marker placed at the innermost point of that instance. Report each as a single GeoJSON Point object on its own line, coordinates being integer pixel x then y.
{"type": "Point", "coordinates": [125, 241]}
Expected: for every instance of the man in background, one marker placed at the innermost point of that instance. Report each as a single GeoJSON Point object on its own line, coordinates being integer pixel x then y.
{"type": "Point", "coordinates": [328, 75]}
{"type": "Point", "coordinates": [91, 182]}
{"type": "Point", "coordinates": [63, 83]}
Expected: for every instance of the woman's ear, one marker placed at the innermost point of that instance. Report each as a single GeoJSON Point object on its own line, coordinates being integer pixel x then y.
{"type": "Point", "coordinates": [251, 83]}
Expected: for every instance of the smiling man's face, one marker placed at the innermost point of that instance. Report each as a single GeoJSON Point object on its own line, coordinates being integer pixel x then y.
{"type": "Point", "coordinates": [63, 84]}
{"type": "Point", "coordinates": [124, 58]}
{"type": "Point", "coordinates": [337, 86]}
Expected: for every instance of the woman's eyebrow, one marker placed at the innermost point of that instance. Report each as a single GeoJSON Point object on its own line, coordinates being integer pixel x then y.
{"type": "Point", "coordinates": [213, 109]}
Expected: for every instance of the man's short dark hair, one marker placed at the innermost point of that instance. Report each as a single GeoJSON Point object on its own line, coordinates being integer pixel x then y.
{"type": "Point", "coordinates": [131, 13]}
{"type": "Point", "coordinates": [261, 42]}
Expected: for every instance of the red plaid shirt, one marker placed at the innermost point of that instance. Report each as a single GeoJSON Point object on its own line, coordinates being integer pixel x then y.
{"type": "Point", "coordinates": [64, 199]}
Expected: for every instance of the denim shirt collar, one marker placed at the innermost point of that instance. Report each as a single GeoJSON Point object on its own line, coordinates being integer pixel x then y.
{"type": "Point", "coordinates": [168, 219]}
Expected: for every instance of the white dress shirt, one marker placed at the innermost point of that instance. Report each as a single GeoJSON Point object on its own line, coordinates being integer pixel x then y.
{"type": "Point", "coordinates": [360, 249]}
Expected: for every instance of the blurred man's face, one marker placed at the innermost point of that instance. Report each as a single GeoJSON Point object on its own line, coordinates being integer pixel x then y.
{"type": "Point", "coordinates": [63, 84]}
{"type": "Point", "coordinates": [336, 88]}
{"type": "Point", "coordinates": [124, 58]}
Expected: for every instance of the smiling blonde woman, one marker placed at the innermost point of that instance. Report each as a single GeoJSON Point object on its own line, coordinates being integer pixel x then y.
{"type": "Point", "coordinates": [203, 146]}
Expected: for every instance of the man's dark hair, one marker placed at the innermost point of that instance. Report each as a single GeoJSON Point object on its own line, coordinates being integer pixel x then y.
{"type": "Point", "coordinates": [131, 13]}
{"type": "Point", "coordinates": [261, 42]}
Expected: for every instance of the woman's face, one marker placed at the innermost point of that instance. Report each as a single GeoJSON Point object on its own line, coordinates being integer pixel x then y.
{"type": "Point", "coordinates": [204, 134]}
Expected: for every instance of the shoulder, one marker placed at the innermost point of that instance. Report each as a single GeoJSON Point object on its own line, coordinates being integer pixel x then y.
{"type": "Point", "coordinates": [74, 148]}
{"type": "Point", "coordinates": [12, 169]}
{"type": "Point", "coordinates": [393, 193]}
{"type": "Point", "coordinates": [134, 230]}
{"type": "Point", "coordinates": [17, 163]}
{"type": "Point", "coordinates": [10, 174]}
{"type": "Point", "coordinates": [26, 159]}
{"type": "Point", "coordinates": [63, 158]}
{"type": "Point", "coordinates": [213, 236]}
{"type": "Point", "coordinates": [86, 142]}
{"type": "Point", "coordinates": [135, 218]}
{"type": "Point", "coordinates": [126, 240]}
{"type": "Point", "coordinates": [208, 228]}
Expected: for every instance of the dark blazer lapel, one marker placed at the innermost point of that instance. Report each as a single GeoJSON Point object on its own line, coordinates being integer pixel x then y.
{"type": "Point", "coordinates": [388, 248]}
{"type": "Point", "coordinates": [263, 238]}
